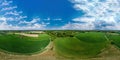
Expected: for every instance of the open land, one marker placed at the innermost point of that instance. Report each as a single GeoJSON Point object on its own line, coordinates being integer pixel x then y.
{"type": "Point", "coordinates": [60, 45]}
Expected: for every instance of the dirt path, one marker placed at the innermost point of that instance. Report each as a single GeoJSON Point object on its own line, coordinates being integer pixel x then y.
{"type": "Point", "coordinates": [111, 53]}
{"type": "Point", "coordinates": [45, 55]}
{"type": "Point", "coordinates": [107, 38]}
{"type": "Point", "coordinates": [50, 45]}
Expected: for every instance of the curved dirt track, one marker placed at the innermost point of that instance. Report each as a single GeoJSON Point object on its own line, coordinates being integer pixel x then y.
{"type": "Point", "coordinates": [111, 53]}
{"type": "Point", "coordinates": [48, 54]}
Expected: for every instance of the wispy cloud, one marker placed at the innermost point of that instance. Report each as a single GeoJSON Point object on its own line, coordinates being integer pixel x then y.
{"type": "Point", "coordinates": [47, 19]}
{"type": "Point", "coordinates": [3, 18]}
{"type": "Point", "coordinates": [58, 19]}
{"type": "Point", "coordinates": [9, 13]}
{"type": "Point", "coordinates": [77, 26]}
{"type": "Point", "coordinates": [8, 8]}
{"type": "Point", "coordinates": [34, 20]}
{"type": "Point", "coordinates": [5, 2]}
{"type": "Point", "coordinates": [97, 11]}
{"type": "Point", "coordinates": [13, 13]}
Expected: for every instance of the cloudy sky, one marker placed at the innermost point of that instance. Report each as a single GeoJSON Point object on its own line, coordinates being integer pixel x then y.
{"type": "Point", "coordinates": [59, 14]}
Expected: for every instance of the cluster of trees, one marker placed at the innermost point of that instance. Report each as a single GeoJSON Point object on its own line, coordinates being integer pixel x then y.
{"type": "Point", "coordinates": [61, 33]}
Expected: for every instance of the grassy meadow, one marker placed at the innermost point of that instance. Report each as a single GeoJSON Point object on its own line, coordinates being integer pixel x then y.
{"type": "Point", "coordinates": [82, 45]}
{"type": "Point", "coordinates": [69, 44]}
{"type": "Point", "coordinates": [22, 44]}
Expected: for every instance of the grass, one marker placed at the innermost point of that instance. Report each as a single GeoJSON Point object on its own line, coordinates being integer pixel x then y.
{"type": "Point", "coordinates": [22, 44]}
{"type": "Point", "coordinates": [83, 45]}
{"type": "Point", "coordinates": [91, 37]}
{"type": "Point", "coordinates": [115, 39]}
{"type": "Point", "coordinates": [79, 45]}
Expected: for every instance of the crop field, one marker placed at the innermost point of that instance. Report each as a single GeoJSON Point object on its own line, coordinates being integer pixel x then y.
{"type": "Point", "coordinates": [81, 45]}
{"type": "Point", "coordinates": [60, 45]}
{"type": "Point", "coordinates": [22, 44]}
{"type": "Point", "coordinates": [115, 39]}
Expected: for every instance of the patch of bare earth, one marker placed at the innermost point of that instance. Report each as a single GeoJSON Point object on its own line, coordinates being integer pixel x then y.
{"type": "Point", "coordinates": [111, 53]}
{"type": "Point", "coordinates": [48, 54]}
{"type": "Point", "coordinates": [29, 35]}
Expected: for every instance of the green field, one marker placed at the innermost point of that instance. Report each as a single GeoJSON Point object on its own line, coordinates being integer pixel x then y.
{"type": "Point", "coordinates": [115, 39]}
{"type": "Point", "coordinates": [91, 37]}
{"type": "Point", "coordinates": [82, 45]}
{"type": "Point", "coordinates": [23, 44]}
{"type": "Point", "coordinates": [65, 44]}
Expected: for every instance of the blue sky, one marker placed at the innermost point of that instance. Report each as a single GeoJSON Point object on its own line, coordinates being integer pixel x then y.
{"type": "Point", "coordinates": [55, 9]}
{"type": "Point", "coordinates": [59, 14]}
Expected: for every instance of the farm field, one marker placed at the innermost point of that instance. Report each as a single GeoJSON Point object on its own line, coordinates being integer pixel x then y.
{"type": "Point", "coordinates": [81, 45]}
{"type": "Point", "coordinates": [20, 44]}
{"type": "Point", "coordinates": [60, 45]}
{"type": "Point", "coordinates": [115, 39]}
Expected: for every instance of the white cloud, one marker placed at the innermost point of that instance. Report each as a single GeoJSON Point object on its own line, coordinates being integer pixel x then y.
{"type": "Point", "coordinates": [48, 19]}
{"type": "Point", "coordinates": [66, 26]}
{"type": "Point", "coordinates": [77, 26]}
{"type": "Point", "coordinates": [34, 20]}
{"type": "Point", "coordinates": [35, 26]}
{"type": "Point", "coordinates": [4, 3]}
{"type": "Point", "coordinates": [84, 19]}
{"type": "Point", "coordinates": [3, 18]}
{"type": "Point", "coordinates": [58, 19]}
{"type": "Point", "coordinates": [13, 13]}
{"type": "Point", "coordinates": [20, 17]}
{"type": "Point", "coordinates": [8, 8]}
{"type": "Point", "coordinates": [5, 26]}
{"type": "Point", "coordinates": [9, 13]}
{"type": "Point", "coordinates": [98, 10]}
